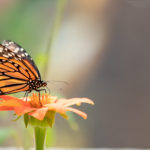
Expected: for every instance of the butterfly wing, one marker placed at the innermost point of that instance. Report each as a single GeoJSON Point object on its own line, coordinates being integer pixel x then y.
{"type": "Point", "coordinates": [16, 68]}
{"type": "Point", "coordinates": [22, 56]}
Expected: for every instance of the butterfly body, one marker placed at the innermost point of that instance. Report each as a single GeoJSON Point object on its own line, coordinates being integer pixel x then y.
{"type": "Point", "coordinates": [36, 84]}
{"type": "Point", "coordinates": [18, 72]}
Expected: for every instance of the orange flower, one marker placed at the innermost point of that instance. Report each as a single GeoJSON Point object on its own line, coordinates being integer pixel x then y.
{"type": "Point", "coordinates": [39, 109]}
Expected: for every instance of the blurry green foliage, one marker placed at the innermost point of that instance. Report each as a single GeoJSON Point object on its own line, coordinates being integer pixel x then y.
{"type": "Point", "coordinates": [34, 25]}
{"type": "Point", "coordinates": [72, 121]}
{"type": "Point", "coordinates": [5, 133]}
{"type": "Point", "coordinates": [41, 59]}
{"type": "Point", "coordinates": [26, 22]}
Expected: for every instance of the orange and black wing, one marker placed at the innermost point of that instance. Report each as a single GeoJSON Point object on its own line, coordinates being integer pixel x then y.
{"type": "Point", "coordinates": [16, 68]}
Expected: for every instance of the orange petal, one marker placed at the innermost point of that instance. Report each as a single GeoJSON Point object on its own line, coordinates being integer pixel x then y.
{"type": "Point", "coordinates": [39, 113]}
{"type": "Point", "coordinates": [73, 101]}
{"type": "Point", "coordinates": [10, 103]}
{"type": "Point", "coordinates": [3, 108]}
{"type": "Point", "coordinates": [6, 97]}
{"type": "Point", "coordinates": [16, 100]}
{"type": "Point", "coordinates": [80, 113]}
{"type": "Point", "coordinates": [23, 110]}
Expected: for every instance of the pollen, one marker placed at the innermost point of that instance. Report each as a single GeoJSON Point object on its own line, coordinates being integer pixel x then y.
{"type": "Point", "coordinates": [37, 102]}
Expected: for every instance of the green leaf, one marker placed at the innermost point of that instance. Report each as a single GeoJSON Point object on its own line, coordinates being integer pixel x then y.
{"type": "Point", "coordinates": [26, 120]}
{"type": "Point", "coordinates": [65, 116]}
{"type": "Point", "coordinates": [38, 123]}
{"type": "Point", "coordinates": [50, 116]}
{"type": "Point", "coordinates": [18, 117]}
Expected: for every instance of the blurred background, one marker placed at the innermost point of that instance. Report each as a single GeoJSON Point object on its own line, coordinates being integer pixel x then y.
{"type": "Point", "coordinates": [102, 49]}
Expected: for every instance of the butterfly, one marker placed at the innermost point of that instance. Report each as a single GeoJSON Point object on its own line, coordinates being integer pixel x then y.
{"type": "Point", "coordinates": [18, 72]}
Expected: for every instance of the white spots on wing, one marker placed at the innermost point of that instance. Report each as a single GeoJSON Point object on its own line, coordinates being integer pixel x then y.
{"type": "Point", "coordinates": [16, 65]}
{"type": "Point", "coordinates": [16, 50]}
{"type": "Point", "coordinates": [22, 55]}
{"type": "Point", "coordinates": [9, 54]}
{"type": "Point", "coordinates": [21, 49]}
{"type": "Point", "coordinates": [19, 56]}
{"type": "Point", "coordinates": [12, 54]}
{"type": "Point", "coordinates": [5, 43]}
{"type": "Point", "coordinates": [11, 49]}
{"type": "Point", "coordinates": [6, 49]}
{"type": "Point", "coordinates": [1, 49]}
{"type": "Point", "coordinates": [26, 54]}
{"type": "Point", "coordinates": [4, 55]}
{"type": "Point", "coordinates": [11, 42]}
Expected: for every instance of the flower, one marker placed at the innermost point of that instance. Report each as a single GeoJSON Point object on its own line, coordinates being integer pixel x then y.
{"type": "Point", "coordinates": [42, 108]}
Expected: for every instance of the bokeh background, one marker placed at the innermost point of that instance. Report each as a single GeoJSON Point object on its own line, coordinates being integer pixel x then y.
{"type": "Point", "coordinates": [102, 49]}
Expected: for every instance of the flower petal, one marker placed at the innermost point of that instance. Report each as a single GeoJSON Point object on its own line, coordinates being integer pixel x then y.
{"type": "Point", "coordinates": [39, 113]}
{"type": "Point", "coordinates": [73, 101]}
{"type": "Point", "coordinates": [12, 101]}
{"type": "Point", "coordinates": [56, 107]}
{"type": "Point", "coordinates": [6, 97]}
{"type": "Point", "coordinates": [23, 110]}
{"type": "Point", "coordinates": [40, 110]}
{"type": "Point", "coordinates": [80, 113]}
{"type": "Point", "coordinates": [5, 108]}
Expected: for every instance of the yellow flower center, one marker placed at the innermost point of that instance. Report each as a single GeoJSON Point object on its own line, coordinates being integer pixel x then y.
{"type": "Point", "coordinates": [37, 102]}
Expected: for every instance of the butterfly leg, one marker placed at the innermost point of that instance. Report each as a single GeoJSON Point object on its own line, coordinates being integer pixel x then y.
{"type": "Point", "coordinates": [42, 90]}
{"type": "Point", "coordinates": [25, 95]}
{"type": "Point", "coordinates": [40, 93]}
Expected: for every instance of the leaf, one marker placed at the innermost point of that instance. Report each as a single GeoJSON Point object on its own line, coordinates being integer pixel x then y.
{"type": "Point", "coordinates": [26, 120]}
{"type": "Point", "coordinates": [50, 118]}
{"type": "Point", "coordinates": [18, 117]}
{"type": "Point", "coordinates": [65, 116]}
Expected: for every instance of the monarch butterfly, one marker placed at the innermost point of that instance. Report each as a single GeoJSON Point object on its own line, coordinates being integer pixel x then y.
{"type": "Point", "coordinates": [18, 72]}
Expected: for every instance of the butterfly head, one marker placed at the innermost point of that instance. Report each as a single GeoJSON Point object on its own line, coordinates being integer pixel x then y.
{"type": "Point", "coordinates": [43, 83]}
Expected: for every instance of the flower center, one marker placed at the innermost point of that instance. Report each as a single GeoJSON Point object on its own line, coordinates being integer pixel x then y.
{"type": "Point", "coordinates": [37, 102]}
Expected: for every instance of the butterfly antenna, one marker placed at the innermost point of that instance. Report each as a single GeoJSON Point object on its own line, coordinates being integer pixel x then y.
{"type": "Point", "coordinates": [55, 81]}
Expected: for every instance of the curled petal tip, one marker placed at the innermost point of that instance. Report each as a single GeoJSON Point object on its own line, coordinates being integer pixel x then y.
{"type": "Point", "coordinates": [89, 101]}
{"type": "Point", "coordinates": [78, 112]}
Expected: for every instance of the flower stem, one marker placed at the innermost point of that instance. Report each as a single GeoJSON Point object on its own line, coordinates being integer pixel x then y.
{"type": "Point", "coordinates": [60, 8]}
{"type": "Point", "coordinates": [40, 136]}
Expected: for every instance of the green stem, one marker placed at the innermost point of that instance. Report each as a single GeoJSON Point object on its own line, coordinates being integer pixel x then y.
{"type": "Point", "coordinates": [40, 136]}
{"type": "Point", "coordinates": [55, 28]}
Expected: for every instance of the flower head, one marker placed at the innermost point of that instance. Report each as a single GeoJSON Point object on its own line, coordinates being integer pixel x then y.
{"type": "Point", "coordinates": [42, 108]}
